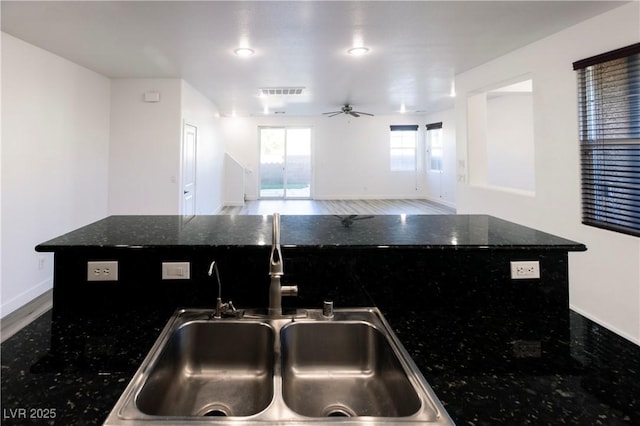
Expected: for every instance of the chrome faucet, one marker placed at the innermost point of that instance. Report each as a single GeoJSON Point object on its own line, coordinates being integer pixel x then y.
{"type": "Point", "coordinates": [276, 271]}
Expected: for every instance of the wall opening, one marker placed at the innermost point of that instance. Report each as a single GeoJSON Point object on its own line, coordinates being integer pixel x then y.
{"type": "Point", "coordinates": [501, 137]}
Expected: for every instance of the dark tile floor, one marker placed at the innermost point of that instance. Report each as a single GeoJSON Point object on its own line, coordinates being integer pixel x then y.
{"type": "Point", "coordinates": [598, 385]}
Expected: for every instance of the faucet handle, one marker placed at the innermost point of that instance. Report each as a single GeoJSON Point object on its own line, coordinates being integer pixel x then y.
{"type": "Point", "coordinates": [289, 290]}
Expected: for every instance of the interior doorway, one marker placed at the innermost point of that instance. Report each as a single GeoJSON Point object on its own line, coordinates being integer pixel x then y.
{"type": "Point", "coordinates": [189, 148]}
{"type": "Point", "coordinates": [285, 162]}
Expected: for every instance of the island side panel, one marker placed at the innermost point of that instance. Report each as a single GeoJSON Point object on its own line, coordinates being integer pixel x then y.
{"type": "Point", "coordinates": [471, 315]}
{"type": "Point", "coordinates": [466, 299]}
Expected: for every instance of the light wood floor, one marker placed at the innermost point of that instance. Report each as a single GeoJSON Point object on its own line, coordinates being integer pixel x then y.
{"type": "Point", "coordinates": [23, 316]}
{"type": "Point", "coordinates": [339, 207]}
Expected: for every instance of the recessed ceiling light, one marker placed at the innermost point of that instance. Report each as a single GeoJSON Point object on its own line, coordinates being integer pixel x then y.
{"type": "Point", "coordinates": [243, 52]}
{"type": "Point", "coordinates": [358, 51]}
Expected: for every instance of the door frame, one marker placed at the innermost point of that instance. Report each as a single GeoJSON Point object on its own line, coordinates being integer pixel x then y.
{"type": "Point", "coordinates": [311, 168]}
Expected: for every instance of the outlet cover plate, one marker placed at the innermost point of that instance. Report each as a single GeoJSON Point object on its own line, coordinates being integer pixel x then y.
{"type": "Point", "coordinates": [104, 270]}
{"type": "Point", "coordinates": [525, 270]}
{"type": "Point", "coordinates": [176, 270]}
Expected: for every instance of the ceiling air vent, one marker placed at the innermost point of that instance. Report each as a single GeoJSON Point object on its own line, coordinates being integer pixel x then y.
{"type": "Point", "coordinates": [281, 91]}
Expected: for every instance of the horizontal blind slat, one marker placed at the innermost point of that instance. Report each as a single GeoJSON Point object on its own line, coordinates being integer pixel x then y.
{"type": "Point", "coordinates": [609, 132]}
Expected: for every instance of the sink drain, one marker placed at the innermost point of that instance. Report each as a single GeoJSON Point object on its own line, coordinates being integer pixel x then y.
{"type": "Point", "coordinates": [215, 410]}
{"type": "Point", "coordinates": [338, 411]}
{"type": "Point", "coordinates": [215, 413]}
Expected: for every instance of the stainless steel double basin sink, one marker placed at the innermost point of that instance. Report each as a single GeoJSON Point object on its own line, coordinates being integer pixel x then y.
{"type": "Point", "coordinates": [300, 369]}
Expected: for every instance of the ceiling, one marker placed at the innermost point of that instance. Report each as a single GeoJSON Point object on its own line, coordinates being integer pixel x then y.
{"type": "Point", "coordinates": [416, 47]}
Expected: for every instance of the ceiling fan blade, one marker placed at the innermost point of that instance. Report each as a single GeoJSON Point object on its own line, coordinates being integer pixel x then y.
{"type": "Point", "coordinates": [348, 110]}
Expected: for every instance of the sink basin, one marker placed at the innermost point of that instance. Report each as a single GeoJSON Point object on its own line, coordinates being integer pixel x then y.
{"type": "Point", "coordinates": [343, 369]}
{"type": "Point", "coordinates": [197, 374]}
{"type": "Point", "coordinates": [290, 370]}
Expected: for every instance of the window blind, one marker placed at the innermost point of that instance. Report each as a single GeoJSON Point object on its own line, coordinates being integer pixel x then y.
{"type": "Point", "coordinates": [434, 126]}
{"type": "Point", "coordinates": [609, 130]}
{"type": "Point", "coordinates": [404, 127]}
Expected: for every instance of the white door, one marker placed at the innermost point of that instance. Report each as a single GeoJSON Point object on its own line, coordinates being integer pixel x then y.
{"type": "Point", "coordinates": [189, 146]}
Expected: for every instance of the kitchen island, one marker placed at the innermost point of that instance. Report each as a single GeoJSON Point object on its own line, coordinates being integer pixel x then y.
{"type": "Point", "coordinates": [495, 350]}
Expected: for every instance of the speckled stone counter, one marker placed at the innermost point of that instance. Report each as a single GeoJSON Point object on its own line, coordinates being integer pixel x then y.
{"type": "Point", "coordinates": [496, 350]}
{"type": "Point", "coordinates": [599, 386]}
{"type": "Point", "coordinates": [318, 231]}
{"type": "Point", "coordinates": [429, 263]}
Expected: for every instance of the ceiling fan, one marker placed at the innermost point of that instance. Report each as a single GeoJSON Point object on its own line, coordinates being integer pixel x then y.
{"type": "Point", "coordinates": [347, 109]}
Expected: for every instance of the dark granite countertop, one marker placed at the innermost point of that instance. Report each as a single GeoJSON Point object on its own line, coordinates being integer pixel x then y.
{"type": "Point", "coordinates": [598, 387]}
{"type": "Point", "coordinates": [320, 231]}
{"type": "Point", "coordinates": [586, 376]}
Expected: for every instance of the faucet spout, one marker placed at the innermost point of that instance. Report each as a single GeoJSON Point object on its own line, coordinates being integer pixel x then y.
{"type": "Point", "coordinates": [221, 308]}
{"type": "Point", "coordinates": [276, 264]}
{"type": "Point", "coordinates": [214, 267]}
{"type": "Point", "coordinates": [276, 271]}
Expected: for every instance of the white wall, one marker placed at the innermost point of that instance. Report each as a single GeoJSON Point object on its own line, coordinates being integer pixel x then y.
{"type": "Point", "coordinates": [500, 140]}
{"type": "Point", "coordinates": [510, 141]}
{"type": "Point", "coordinates": [1, 226]}
{"type": "Point", "coordinates": [199, 111]}
{"type": "Point", "coordinates": [234, 185]}
{"type": "Point", "coordinates": [77, 146]}
{"type": "Point", "coordinates": [350, 155]}
{"type": "Point", "coordinates": [604, 281]}
{"type": "Point", "coordinates": [55, 149]}
{"type": "Point", "coordinates": [144, 152]}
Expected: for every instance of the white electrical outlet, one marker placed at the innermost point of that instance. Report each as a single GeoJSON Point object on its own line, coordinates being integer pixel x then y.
{"type": "Point", "coordinates": [102, 270]}
{"type": "Point", "coordinates": [176, 270]}
{"type": "Point", "coordinates": [525, 270]}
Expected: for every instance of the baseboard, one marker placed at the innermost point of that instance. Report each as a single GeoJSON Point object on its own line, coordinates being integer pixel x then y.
{"type": "Point", "coordinates": [233, 204]}
{"type": "Point", "coordinates": [606, 325]}
{"type": "Point", "coordinates": [25, 297]}
{"type": "Point", "coordinates": [441, 201]}
{"type": "Point", "coordinates": [25, 314]}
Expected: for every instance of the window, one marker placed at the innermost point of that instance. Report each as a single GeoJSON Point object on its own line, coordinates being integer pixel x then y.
{"type": "Point", "coordinates": [403, 148]}
{"type": "Point", "coordinates": [435, 146]}
{"type": "Point", "coordinates": [609, 114]}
